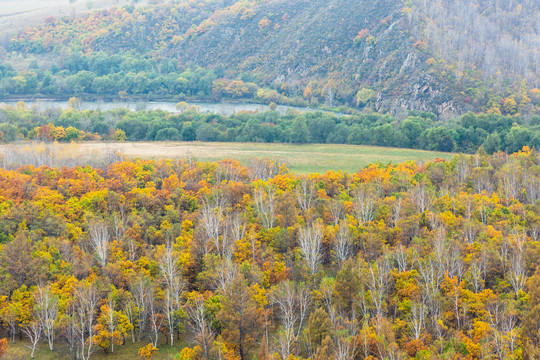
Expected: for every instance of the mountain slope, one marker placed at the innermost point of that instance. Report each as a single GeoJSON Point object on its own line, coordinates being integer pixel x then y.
{"type": "Point", "coordinates": [313, 42]}
{"type": "Point", "coordinates": [386, 55]}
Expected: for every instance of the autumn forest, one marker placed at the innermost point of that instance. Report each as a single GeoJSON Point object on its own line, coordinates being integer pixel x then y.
{"type": "Point", "coordinates": [242, 262]}
{"type": "Point", "coordinates": [408, 227]}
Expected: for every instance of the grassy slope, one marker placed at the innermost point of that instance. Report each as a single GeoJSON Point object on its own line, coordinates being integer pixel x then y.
{"type": "Point", "coordinates": [302, 158]}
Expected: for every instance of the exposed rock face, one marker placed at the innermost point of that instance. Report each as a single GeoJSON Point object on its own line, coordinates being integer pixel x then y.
{"type": "Point", "coordinates": [316, 44]}
{"type": "Point", "coordinates": [424, 95]}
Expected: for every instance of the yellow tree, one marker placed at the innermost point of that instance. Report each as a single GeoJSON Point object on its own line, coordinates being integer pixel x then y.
{"type": "Point", "coordinates": [264, 23]}
{"type": "Point", "coordinates": [4, 346]}
{"type": "Point", "coordinates": [111, 328]}
{"type": "Point", "coordinates": [146, 352]}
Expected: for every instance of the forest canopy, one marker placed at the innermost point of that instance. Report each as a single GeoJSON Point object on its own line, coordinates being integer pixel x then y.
{"type": "Point", "coordinates": [395, 261]}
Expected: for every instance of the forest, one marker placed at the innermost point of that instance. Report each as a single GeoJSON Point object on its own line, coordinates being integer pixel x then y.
{"type": "Point", "coordinates": [225, 261]}
{"type": "Point", "coordinates": [129, 75]}
{"type": "Point", "coordinates": [420, 130]}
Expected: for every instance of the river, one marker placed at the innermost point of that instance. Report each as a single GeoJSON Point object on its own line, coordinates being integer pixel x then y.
{"type": "Point", "coordinates": [223, 108]}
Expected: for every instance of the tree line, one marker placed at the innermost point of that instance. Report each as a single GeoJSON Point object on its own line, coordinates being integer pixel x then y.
{"type": "Point", "coordinates": [418, 130]}
{"type": "Point", "coordinates": [129, 75]}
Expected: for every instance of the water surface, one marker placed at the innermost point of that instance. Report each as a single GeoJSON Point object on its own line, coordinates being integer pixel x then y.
{"type": "Point", "coordinates": [223, 108]}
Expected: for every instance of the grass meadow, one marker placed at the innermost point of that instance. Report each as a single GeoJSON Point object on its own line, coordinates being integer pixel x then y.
{"type": "Point", "coordinates": [302, 159]}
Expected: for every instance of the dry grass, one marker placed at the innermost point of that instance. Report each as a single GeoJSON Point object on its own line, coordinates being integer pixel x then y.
{"type": "Point", "coordinates": [129, 351]}
{"type": "Point", "coordinates": [301, 158]}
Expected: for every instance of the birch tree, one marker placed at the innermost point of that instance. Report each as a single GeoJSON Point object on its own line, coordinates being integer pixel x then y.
{"type": "Point", "coordinates": [142, 290]}
{"type": "Point", "coordinates": [47, 310]}
{"type": "Point", "coordinates": [417, 320]}
{"type": "Point", "coordinates": [364, 203]}
{"type": "Point", "coordinates": [174, 285]}
{"type": "Point", "coordinates": [33, 330]}
{"type": "Point", "coordinates": [211, 217]}
{"type": "Point", "coordinates": [86, 299]}
{"type": "Point", "coordinates": [265, 203]}
{"type": "Point", "coordinates": [342, 243]}
{"type": "Point", "coordinates": [293, 301]}
{"type": "Point", "coordinates": [310, 239]}
{"type": "Point", "coordinates": [336, 209]}
{"type": "Point", "coordinates": [421, 196]}
{"type": "Point", "coordinates": [376, 277]}
{"type": "Point", "coordinates": [200, 325]}
{"type": "Point", "coordinates": [305, 194]}
{"type": "Point", "coordinates": [156, 316]}
{"type": "Point", "coordinates": [98, 235]}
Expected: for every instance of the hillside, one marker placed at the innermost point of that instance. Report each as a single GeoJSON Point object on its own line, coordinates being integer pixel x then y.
{"type": "Point", "coordinates": [382, 55]}
{"type": "Point", "coordinates": [311, 45]}
{"type": "Point", "coordinates": [16, 15]}
{"type": "Point", "coordinates": [179, 259]}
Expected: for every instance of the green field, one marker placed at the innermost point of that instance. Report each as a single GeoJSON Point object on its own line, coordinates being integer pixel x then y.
{"type": "Point", "coordinates": [301, 158]}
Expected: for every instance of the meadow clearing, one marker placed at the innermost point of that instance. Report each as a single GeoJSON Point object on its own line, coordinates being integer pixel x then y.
{"type": "Point", "coordinates": [301, 158]}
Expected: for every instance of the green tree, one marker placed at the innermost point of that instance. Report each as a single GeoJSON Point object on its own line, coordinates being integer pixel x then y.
{"type": "Point", "coordinates": [319, 326]}
{"type": "Point", "coordinates": [439, 138]}
{"type": "Point", "coordinates": [493, 143]}
{"type": "Point", "coordinates": [8, 132]}
{"type": "Point", "coordinates": [189, 133]}
{"type": "Point", "coordinates": [411, 129]}
{"type": "Point", "coordinates": [347, 285]}
{"type": "Point", "coordinates": [240, 317]}
{"type": "Point", "coordinates": [319, 129]}
{"type": "Point", "coordinates": [207, 132]}
{"type": "Point", "coordinates": [516, 138]}
{"type": "Point", "coordinates": [299, 131]}
{"type": "Point", "coordinates": [134, 129]}
{"type": "Point", "coordinates": [168, 134]}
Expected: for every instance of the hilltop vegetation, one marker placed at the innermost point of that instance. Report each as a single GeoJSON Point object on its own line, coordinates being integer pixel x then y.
{"type": "Point", "coordinates": [379, 55]}
{"type": "Point", "coordinates": [222, 261]}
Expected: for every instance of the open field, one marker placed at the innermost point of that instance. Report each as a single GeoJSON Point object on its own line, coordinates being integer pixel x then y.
{"type": "Point", "coordinates": [302, 158]}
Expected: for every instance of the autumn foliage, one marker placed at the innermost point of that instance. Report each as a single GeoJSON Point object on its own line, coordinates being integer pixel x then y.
{"type": "Point", "coordinates": [395, 261]}
{"type": "Point", "coordinates": [3, 346]}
